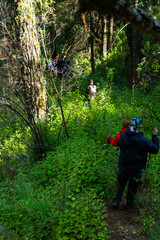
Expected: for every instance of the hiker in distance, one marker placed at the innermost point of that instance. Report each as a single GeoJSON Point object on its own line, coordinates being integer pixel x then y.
{"type": "Point", "coordinates": [115, 141]}
{"type": "Point", "coordinates": [134, 148]}
{"type": "Point", "coordinates": [91, 90]}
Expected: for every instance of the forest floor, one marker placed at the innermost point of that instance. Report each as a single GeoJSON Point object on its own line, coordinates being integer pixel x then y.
{"type": "Point", "coordinates": [123, 224]}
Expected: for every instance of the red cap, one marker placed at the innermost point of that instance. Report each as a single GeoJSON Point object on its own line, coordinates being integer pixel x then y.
{"type": "Point", "coordinates": [57, 57]}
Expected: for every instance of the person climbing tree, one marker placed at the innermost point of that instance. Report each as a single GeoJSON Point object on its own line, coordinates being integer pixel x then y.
{"type": "Point", "coordinates": [132, 161]}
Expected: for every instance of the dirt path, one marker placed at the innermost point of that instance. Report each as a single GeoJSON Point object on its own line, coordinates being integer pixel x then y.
{"type": "Point", "coordinates": [123, 224]}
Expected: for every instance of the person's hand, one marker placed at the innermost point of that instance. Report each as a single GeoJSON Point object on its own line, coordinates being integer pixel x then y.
{"type": "Point", "coordinates": [155, 131]}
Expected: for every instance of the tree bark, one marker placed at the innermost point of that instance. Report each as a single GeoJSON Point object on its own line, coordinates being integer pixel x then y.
{"type": "Point", "coordinates": [135, 44]}
{"type": "Point", "coordinates": [92, 42]}
{"type": "Point", "coordinates": [104, 36]}
{"type": "Point", "coordinates": [110, 35]}
{"type": "Point", "coordinates": [34, 89]}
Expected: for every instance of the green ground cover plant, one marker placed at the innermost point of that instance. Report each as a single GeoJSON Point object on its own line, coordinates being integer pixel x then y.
{"type": "Point", "coordinates": [63, 196]}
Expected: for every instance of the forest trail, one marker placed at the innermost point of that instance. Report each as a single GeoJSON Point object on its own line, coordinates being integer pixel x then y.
{"type": "Point", "coordinates": [123, 224]}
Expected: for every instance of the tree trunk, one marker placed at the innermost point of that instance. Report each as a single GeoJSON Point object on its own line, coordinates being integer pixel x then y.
{"type": "Point", "coordinates": [135, 43]}
{"type": "Point", "coordinates": [92, 42]}
{"type": "Point", "coordinates": [104, 36]}
{"type": "Point", "coordinates": [110, 35]}
{"type": "Point", "coordinates": [34, 89]}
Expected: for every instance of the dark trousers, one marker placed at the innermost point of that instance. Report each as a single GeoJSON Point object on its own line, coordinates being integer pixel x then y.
{"type": "Point", "coordinates": [133, 183]}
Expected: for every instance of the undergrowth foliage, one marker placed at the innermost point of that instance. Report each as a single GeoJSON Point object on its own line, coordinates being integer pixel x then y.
{"type": "Point", "coordinates": [63, 196]}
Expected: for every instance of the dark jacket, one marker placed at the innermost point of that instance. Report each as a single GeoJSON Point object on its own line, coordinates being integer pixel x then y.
{"type": "Point", "coordinates": [133, 151]}
{"type": "Point", "coordinates": [60, 64]}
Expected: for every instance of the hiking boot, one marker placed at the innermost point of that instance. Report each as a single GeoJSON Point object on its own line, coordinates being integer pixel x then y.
{"type": "Point", "coordinates": [115, 205]}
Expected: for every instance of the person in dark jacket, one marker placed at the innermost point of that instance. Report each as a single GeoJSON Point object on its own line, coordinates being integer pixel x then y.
{"type": "Point", "coordinates": [59, 65]}
{"type": "Point", "coordinates": [134, 148]}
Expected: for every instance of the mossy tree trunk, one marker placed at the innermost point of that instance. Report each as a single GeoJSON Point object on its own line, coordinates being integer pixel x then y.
{"type": "Point", "coordinates": [33, 89]}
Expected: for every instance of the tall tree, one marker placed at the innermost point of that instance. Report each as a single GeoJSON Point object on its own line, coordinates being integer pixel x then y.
{"type": "Point", "coordinates": [110, 34]}
{"type": "Point", "coordinates": [104, 34]}
{"type": "Point", "coordinates": [92, 41]}
{"type": "Point", "coordinates": [34, 90]}
{"type": "Point", "coordinates": [135, 45]}
{"type": "Point", "coordinates": [24, 91]}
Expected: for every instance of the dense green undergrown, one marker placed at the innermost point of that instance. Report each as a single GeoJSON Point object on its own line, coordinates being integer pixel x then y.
{"type": "Point", "coordinates": [64, 196]}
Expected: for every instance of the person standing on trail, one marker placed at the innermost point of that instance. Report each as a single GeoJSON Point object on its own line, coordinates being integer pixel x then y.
{"type": "Point", "coordinates": [125, 125]}
{"type": "Point", "coordinates": [59, 65]}
{"type": "Point", "coordinates": [134, 148]}
{"type": "Point", "coordinates": [91, 90]}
